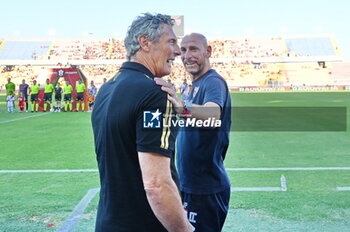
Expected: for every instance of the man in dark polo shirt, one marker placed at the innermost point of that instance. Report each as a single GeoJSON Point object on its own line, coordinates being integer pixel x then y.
{"type": "Point", "coordinates": [135, 153]}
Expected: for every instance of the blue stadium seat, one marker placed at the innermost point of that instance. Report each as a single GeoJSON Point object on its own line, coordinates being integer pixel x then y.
{"type": "Point", "coordinates": [23, 50]}
{"type": "Point", "coordinates": [321, 46]}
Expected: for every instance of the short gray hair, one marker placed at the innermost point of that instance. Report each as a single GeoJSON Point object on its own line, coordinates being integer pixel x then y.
{"type": "Point", "coordinates": [148, 25]}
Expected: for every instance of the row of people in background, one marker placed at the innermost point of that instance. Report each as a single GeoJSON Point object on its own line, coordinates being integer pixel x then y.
{"type": "Point", "coordinates": [185, 90]}
{"type": "Point", "coordinates": [49, 89]}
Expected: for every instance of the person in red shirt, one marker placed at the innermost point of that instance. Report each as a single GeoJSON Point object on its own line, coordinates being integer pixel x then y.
{"type": "Point", "coordinates": [21, 101]}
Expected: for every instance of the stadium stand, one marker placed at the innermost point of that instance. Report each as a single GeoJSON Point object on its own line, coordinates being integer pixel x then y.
{"type": "Point", "coordinates": [340, 71]}
{"type": "Point", "coordinates": [98, 72]}
{"type": "Point", "coordinates": [270, 61]}
{"type": "Point", "coordinates": [77, 49]}
{"type": "Point", "coordinates": [18, 73]}
{"type": "Point", "coordinates": [307, 74]}
{"type": "Point", "coordinates": [247, 48]}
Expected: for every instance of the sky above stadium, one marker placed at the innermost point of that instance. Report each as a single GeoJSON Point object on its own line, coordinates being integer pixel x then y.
{"type": "Point", "coordinates": [111, 18]}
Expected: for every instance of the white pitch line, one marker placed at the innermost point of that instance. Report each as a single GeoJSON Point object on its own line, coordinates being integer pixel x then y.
{"type": "Point", "coordinates": [17, 119]}
{"type": "Point", "coordinates": [289, 169]}
{"type": "Point", "coordinates": [72, 220]}
{"type": "Point", "coordinates": [256, 189]}
{"type": "Point", "coordinates": [48, 171]}
{"type": "Point", "coordinates": [343, 188]}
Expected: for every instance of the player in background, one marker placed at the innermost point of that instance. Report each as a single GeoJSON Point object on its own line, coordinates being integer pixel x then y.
{"type": "Point", "coordinates": [10, 102]}
{"type": "Point", "coordinates": [48, 90]}
{"type": "Point", "coordinates": [34, 91]}
{"type": "Point", "coordinates": [58, 97]}
{"type": "Point", "coordinates": [80, 87]}
{"type": "Point", "coordinates": [92, 91]}
{"type": "Point", "coordinates": [10, 87]}
{"type": "Point", "coordinates": [68, 89]}
{"type": "Point", "coordinates": [184, 90]}
{"type": "Point", "coordinates": [23, 88]}
{"type": "Point", "coordinates": [21, 101]}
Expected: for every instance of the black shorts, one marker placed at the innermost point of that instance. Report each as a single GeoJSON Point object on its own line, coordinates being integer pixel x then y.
{"type": "Point", "coordinates": [80, 96]}
{"type": "Point", "coordinates": [58, 97]}
{"type": "Point", "coordinates": [207, 212]}
{"type": "Point", "coordinates": [91, 104]}
{"type": "Point", "coordinates": [68, 97]}
{"type": "Point", "coordinates": [34, 97]}
{"type": "Point", "coordinates": [47, 96]}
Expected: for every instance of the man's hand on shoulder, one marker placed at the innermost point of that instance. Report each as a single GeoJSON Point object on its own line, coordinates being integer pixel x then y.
{"type": "Point", "coordinates": [172, 96]}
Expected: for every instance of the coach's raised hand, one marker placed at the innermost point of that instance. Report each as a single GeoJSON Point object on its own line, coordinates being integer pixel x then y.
{"type": "Point", "coordinates": [172, 96]}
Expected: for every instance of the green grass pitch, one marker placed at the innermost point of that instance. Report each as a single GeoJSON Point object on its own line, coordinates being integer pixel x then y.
{"type": "Point", "coordinates": [43, 201]}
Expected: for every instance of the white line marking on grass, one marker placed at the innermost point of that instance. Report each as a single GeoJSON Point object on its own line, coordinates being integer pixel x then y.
{"type": "Point", "coordinates": [283, 188]}
{"type": "Point", "coordinates": [343, 188]}
{"type": "Point", "coordinates": [72, 220]}
{"type": "Point", "coordinates": [256, 189]}
{"type": "Point", "coordinates": [289, 169]}
{"type": "Point", "coordinates": [17, 119]}
{"type": "Point", "coordinates": [48, 171]}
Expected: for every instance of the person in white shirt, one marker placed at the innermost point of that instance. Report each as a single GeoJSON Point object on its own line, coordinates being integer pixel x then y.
{"type": "Point", "coordinates": [10, 102]}
{"type": "Point", "coordinates": [184, 90]}
{"type": "Point", "coordinates": [92, 89]}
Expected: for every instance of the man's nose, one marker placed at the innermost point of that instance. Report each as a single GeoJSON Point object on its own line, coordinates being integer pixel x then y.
{"type": "Point", "coordinates": [177, 51]}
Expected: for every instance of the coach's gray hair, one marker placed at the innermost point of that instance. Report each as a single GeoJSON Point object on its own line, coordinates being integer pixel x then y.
{"type": "Point", "coordinates": [148, 25]}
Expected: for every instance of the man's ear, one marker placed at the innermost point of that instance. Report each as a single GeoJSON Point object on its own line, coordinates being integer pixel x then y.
{"type": "Point", "coordinates": [144, 42]}
{"type": "Point", "coordinates": [209, 49]}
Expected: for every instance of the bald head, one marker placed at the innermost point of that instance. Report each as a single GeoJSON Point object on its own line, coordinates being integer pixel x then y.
{"type": "Point", "coordinates": [196, 37]}
{"type": "Point", "coordinates": [195, 54]}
